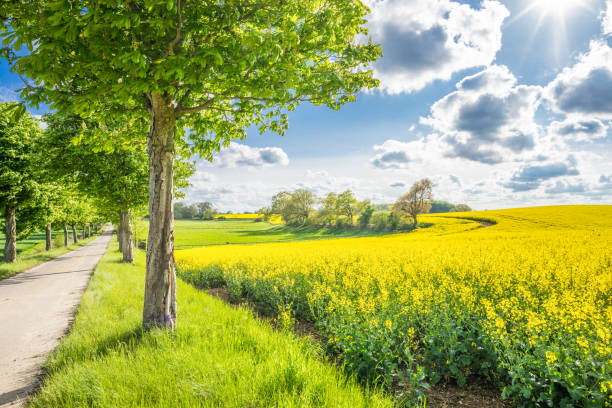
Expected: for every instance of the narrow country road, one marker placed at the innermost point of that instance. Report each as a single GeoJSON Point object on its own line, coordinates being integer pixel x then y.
{"type": "Point", "coordinates": [36, 308]}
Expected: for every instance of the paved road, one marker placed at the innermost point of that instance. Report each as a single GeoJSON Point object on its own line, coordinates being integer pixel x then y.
{"type": "Point", "coordinates": [36, 308]}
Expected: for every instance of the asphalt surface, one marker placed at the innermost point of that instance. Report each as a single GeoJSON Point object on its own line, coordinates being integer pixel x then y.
{"type": "Point", "coordinates": [36, 309]}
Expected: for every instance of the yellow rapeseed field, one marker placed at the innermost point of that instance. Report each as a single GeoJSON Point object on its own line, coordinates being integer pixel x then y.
{"type": "Point", "coordinates": [526, 302]}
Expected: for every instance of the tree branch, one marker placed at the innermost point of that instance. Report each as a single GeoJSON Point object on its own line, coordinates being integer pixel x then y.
{"type": "Point", "coordinates": [179, 28]}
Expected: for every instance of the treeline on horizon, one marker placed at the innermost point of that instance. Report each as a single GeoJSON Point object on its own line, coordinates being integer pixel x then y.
{"type": "Point", "coordinates": [339, 210]}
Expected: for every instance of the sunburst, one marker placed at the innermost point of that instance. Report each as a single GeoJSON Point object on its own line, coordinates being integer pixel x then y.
{"type": "Point", "coordinates": [558, 11]}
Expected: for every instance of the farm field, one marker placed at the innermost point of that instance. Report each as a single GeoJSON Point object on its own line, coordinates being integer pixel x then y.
{"type": "Point", "coordinates": [189, 233]}
{"type": "Point", "coordinates": [219, 356]}
{"type": "Point", "coordinates": [524, 304]}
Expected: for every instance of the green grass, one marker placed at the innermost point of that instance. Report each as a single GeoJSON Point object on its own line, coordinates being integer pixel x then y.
{"type": "Point", "coordinates": [35, 239]}
{"type": "Point", "coordinates": [199, 233]}
{"type": "Point", "coordinates": [219, 356]}
{"type": "Point", "coordinates": [34, 255]}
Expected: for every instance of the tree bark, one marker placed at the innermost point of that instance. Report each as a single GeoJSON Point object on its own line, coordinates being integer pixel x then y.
{"type": "Point", "coordinates": [160, 286]}
{"type": "Point", "coordinates": [10, 243]}
{"type": "Point", "coordinates": [65, 234]}
{"type": "Point", "coordinates": [89, 230]}
{"type": "Point", "coordinates": [120, 233]}
{"type": "Point", "coordinates": [75, 239]}
{"type": "Point", "coordinates": [128, 244]}
{"type": "Point", "coordinates": [48, 237]}
{"type": "Point", "coordinates": [83, 232]}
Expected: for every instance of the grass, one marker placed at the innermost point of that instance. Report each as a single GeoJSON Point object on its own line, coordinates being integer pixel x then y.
{"type": "Point", "coordinates": [190, 233]}
{"type": "Point", "coordinates": [34, 240]}
{"type": "Point", "coordinates": [35, 254]}
{"type": "Point", "coordinates": [219, 356]}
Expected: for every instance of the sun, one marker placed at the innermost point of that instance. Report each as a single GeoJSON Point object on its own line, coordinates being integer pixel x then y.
{"type": "Point", "coordinates": [553, 8]}
{"type": "Point", "coordinates": [556, 13]}
{"type": "Point", "coordinates": [559, 7]}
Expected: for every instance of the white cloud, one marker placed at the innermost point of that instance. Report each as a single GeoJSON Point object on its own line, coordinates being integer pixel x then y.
{"type": "Point", "coordinates": [586, 87]}
{"type": "Point", "coordinates": [394, 154]}
{"type": "Point", "coordinates": [239, 155]}
{"type": "Point", "coordinates": [606, 21]}
{"type": "Point", "coordinates": [424, 41]}
{"type": "Point", "coordinates": [489, 119]}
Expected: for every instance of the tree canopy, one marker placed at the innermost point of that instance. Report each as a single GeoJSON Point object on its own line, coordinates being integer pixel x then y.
{"type": "Point", "coordinates": [235, 63]}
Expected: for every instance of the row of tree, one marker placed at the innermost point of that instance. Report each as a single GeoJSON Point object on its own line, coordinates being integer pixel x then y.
{"type": "Point", "coordinates": [302, 207]}
{"type": "Point", "coordinates": [47, 178]}
{"type": "Point", "coordinates": [31, 199]}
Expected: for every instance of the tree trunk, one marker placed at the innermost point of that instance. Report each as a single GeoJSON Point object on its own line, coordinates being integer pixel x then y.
{"type": "Point", "coordinates": [160, 285]}
{"type": "Point", "coordinates": [89, 230]}
{"type": "Point", "coordinates": [10, 243]}
{"type": "Point", "coordinates": [415, 223]}
{"type": "Point", "coordinates": [65, 234]}
{"type": "Point", "coordinates": [128, 244]}
{"type": "Point", "coordinates": [83, 232]}
{"type": "Point", "coordinates": [120, 233]}
{"type": "Point", "coordinates": [75, 239]}
{"type": "Point", "coordinates": [48, 237]}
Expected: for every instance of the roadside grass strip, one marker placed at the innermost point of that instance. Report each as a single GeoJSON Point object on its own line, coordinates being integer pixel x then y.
{"type": "Point", "coordinates": [219, 356]}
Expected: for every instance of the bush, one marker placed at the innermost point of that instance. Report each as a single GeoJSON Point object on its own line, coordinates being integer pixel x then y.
{"type": "Point", "coordinates": [380, 220]}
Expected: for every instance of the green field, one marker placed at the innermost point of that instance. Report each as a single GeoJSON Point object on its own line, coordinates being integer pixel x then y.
{"type": "Point", "coordinates": [219, 356]}
{"type": "Point", "coordinates": [197, 233]}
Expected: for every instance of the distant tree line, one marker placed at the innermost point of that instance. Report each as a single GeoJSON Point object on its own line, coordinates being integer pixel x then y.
{"type": "Point", "coordinates": [343, 210]}
{"type": "Point", "coordinates": [446, 207]}
{"type": "Point", "coordinates": [199, 211]}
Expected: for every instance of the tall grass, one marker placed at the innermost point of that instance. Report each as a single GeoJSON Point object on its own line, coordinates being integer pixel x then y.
{"type": "Point", "coordinates": [219, 356]}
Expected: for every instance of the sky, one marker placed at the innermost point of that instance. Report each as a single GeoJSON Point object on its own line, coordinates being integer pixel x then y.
{"type": "Point", "coordinates": [501, 104]}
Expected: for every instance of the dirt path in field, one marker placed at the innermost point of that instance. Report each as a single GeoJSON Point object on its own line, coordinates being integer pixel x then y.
{"type": "Point", "coordinates": [36, 309]}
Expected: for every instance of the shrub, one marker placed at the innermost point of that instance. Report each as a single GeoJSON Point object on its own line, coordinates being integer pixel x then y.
{"type": "Point", "coordinates": [380, 220]}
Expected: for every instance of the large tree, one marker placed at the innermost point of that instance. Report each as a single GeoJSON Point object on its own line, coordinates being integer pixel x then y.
{"type": "Point", "coordinates": [416, 201]}
{"type": "Point", "coordinates": [346, 205]}
{"type": "Point", "coordinates": [213, 67]}
{"type": "Point", "coordinates": [20, 191]}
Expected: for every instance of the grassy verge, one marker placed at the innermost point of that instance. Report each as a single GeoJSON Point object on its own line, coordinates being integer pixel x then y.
{"type": "Point", "coordinates": [218, 357]}
{"type": "Point", "coordinates": [36, 255]}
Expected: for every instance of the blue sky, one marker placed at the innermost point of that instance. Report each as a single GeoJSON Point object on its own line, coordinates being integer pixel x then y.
{"type": "Point", "coordinates": [501, 104]}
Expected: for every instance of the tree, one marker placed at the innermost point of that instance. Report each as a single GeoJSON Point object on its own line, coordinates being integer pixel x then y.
{"type": "Point", "coordinates": [205, 210]}
{"type": "Point", "coordinates": [215, 67]}
{"type": "Point", "coordinates": [329, 210]}
{"type": "Point", "coordinates": [346, 205]}
{"type": "Point", "coordinates": [416, 201]}
{"type": "Point", "coordinates": [441, 207]}
{"type": "Point", "coordinates": [299, 207]}
{"type": "Point", "coordinates": [183, 211]}
{"type": "Point", "coordinates": [20, 195]}
{"type": "Point", "coordinates": [366, 212]}
{"type": "Point", "coordinates": [294, 207]}
{"type": "Point", "coordinates": [462, 208]}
